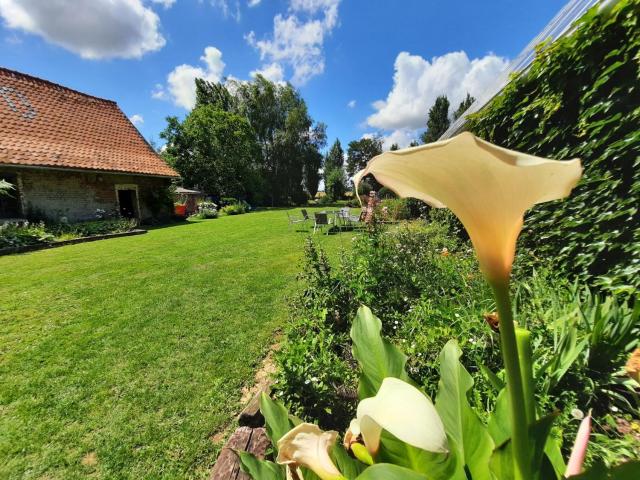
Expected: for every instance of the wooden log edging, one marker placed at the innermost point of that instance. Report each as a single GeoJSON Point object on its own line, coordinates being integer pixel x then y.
{"type": "Point", "coordinates": [253, 440]}
{"type": "Point", "coordinates": [92, 238]}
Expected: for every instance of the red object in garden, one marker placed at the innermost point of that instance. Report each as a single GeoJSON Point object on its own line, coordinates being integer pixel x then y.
{"type": "Point", "coordinates": [180, 210]}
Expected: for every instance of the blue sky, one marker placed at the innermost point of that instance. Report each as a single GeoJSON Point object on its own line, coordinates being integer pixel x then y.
{"type": "Point", "coordinates": [364, 67]}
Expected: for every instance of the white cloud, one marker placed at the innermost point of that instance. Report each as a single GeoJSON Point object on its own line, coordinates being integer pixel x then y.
{"type": "Point", "coordinates": [181, 81]}
{"type": "Point", "coordinates": [299, 42]}
{"type": "Point", "coordinates": [253, 3]}
{"type": "Point", "coordinates": [165, 3]}
{"type": "Point", "coordinates": [403, 137]}
{"type": "Point", "coordinates": [229, 9]}
{"type": "Point", "coordinates": [417, 82]}
{"type": "Point", "coordinates": [273, 72]}
{"type": "Point", "coordinates": [136, 119]}
{"type": "Point", "coordinates": [93, 29]}
{"type": "Point", "coordinates": [351, 104]}
{"type": "Point", "coordinates": [158, 92]}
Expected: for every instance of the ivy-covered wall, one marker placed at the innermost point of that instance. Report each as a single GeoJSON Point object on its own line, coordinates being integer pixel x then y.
{"type": "Point", "coordinates": [581, 98]}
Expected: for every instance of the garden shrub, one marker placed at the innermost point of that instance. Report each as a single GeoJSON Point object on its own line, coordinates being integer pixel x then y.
{"type": "Point", "coordinates": [394, 209]}
{"type": "Point", "coordinates": [237, 208]}
{"type": "Point", "coordinates": [23, 234]}
{"type": "Point", "coordinates": [580, 98]}
{"type": "Point", "coordinates": [206, 210]}
{"type": "Point", "coordinates": [425, 286]}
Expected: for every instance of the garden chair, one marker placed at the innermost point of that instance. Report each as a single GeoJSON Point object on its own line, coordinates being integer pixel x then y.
{"type": "Point", "coordinates": [321, 220]}
{"type": "Point", "coordinates": [305, 215]}
{"type": "Point", "coordinates": [293, 220]}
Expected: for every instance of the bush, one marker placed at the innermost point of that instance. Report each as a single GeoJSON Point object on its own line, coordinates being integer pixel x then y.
{"type": "Point", "coordinates": [425, 285]}
{"type": "Point", "coordinates": [64, 230]}
{"type": "Point", "coordinates": [23, 234]}
{"type": "Point", "coordinates": [335, 184]}
{"type": "Point", "coordinates": [237, 208]}
{"type": "Point", "coordinates": [206, 210]}
{"type": "Point", "coordinates": [580, 98]}
{"type": "Point", "coordinates": [394, 209]}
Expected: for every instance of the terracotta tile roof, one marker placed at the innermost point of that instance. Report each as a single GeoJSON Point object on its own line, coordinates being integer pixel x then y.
{"type": "Point", "coordinates": [47, 125]}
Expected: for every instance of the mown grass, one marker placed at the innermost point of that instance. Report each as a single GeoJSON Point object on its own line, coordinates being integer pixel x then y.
{"type": "Point", "coordinates": [121, 358]}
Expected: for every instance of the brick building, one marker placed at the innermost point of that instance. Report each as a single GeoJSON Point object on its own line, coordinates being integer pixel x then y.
{"type": "Point", "coordinates": [70, 154]}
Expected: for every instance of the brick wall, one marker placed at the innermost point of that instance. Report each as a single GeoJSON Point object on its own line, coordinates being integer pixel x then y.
{"type": "Point", "coordinates": [77, 195]}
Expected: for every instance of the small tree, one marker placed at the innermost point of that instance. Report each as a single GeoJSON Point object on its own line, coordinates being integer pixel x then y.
{"type": "Point", "coordinates": [464, 105]}
{"type": "Point", "coordinates": [438, 120]}
{"type": "Point", "coordinates": [335, 184]}
{"type": "Point", "coordinates": [394, 147]}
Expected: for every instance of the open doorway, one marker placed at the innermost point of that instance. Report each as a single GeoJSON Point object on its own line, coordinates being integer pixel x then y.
{"type": "Point", "coordinates": [127, 203]}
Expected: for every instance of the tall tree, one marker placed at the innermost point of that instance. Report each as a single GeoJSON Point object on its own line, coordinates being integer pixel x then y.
{"type": "Point", "coordinates": [360, 152]}
{"type": "Point", "coordinates": [464, 105]}
{"type": "Point", "coordinates": [314, 159]}
{"type": "Point", "coordinates": [335, 157]}
{"type": "Point", "coordinates": [215, 151]}
{"type": "Point", "coordinates": [335, 184]}
{"type": "Point", "coordinates": [438, 120]}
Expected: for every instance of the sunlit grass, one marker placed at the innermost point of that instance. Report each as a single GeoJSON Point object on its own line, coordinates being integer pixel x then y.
{"type": "Point", "coordinates": [121, 358]}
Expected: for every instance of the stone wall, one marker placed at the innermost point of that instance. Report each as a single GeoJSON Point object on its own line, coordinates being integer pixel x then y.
{"type": "Point", "coordinates": [77, 195]}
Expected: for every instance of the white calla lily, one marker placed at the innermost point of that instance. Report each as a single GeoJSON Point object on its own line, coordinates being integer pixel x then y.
{"type": "Point", "coordinates": [405, 412]}
{"type": "Point", "coordinates": [487, 187]}
{"type": "Point", "coordinates": [308, 446]}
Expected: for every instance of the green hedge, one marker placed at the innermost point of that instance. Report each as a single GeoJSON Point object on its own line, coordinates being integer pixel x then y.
{"type": "Point", "coordinates": [581, 98]}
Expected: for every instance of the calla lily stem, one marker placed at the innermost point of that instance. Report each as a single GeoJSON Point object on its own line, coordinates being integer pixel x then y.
{"type": "Point", "coordinates": [517, 402]}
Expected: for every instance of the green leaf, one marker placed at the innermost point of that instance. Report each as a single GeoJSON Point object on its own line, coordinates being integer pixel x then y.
{"type": "Point", "coordinates": [350, 467]}
{"type": "Point", "coordinates": [554, 455]}
{"type": "Point", "coordinates": [626, 471]}
{"type": "Point", "coordinates": [493, 379]}
{"type": "Point", "coordinates": [276, 418]}
{"type": "Point", "coordinates": [501, 462]}
{"type": "Point", "coordinates": [384, 471]}
{"type": "Point", "coordinates": [260, 469]}
{"type": "Point", "coordinates": [460, 421]}
{"type": "Point", "coordinates": [499, 427]}
{"type": "Point", "coordinates": [438, 466]}
{"type": "Point", "coordinates": [377, 357]}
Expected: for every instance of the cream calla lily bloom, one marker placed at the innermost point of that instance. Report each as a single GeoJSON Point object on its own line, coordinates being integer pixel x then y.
{"type": "Point", "coordinates": [487, 187]}
{"type": "Point", "coordinates": [405, 412]}
{"type": "Point", "coordinates": [308, 446]}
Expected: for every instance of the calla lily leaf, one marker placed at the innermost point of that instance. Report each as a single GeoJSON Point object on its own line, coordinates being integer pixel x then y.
{"type": "Point", "coordinates": [350, 467]}
{"type": "Point", "coordinates": [377, 357]}
{"type": "Point", "coordinates": [626, 471]}
{"type": "Point", "coordinates": [461, 422]}
{"type": "Point", "coordinates": [438, 466]}
{"type": "Point", "coordinates": [487, 187]}
{"type": "Point", "coordinates": [498, 426]}
{"type": "Point", "coordinates": [276, 418]}
{"type": "Point", "coordinates": [262, 469]}
{"type": "Point", "coordinates": [385, 471]}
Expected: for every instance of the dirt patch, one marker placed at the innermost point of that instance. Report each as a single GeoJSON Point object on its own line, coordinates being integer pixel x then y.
{"type": "Point", "coordinates": [90, 459]}
{"type": "Point", "coordinates": [262, 378]}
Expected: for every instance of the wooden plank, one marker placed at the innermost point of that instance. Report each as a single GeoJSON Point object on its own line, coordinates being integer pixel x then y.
{"type": "Point", "coordinates": [253, 440]}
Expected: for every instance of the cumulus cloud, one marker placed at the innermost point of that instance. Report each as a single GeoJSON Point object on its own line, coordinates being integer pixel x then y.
{"type": "Point", "coordinates": [94, 30]}
{"type": "Point", "coordinates": [417, 82]}
{"type": "Point", "coordinates": [181, 86]}
{"type": "Point", "coordinates": [137, 119]}
{"type": "Point", "coordinates": [165, 3]}
{"type": "Point", "coordinates": [298, 37]}
{"type": "Point", "coordinates": [351, 104]}
{"type": "Point", "coordinates": [229, 9]}
{"type": "Point", "coordinates": [273, 72]}
{"type": "Point", "coordinates": [253, 3]}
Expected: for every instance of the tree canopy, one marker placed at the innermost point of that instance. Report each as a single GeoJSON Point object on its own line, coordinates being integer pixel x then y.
{"type": "Point", "coordinates": [360, 152]}
{"type": "Point", "coordinates": [464, 105]}
{"type": "Point", "coordinates": [438, 120]}
{"type": "Point", "coordinates": [275, 128]}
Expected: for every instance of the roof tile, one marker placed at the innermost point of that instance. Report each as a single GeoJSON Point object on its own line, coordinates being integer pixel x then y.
{"type": "Point", "coordinates": [47, 125]}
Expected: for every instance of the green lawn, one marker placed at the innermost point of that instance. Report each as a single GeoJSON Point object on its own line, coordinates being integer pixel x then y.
{"type": "Point", "coordinates": [121, 358]}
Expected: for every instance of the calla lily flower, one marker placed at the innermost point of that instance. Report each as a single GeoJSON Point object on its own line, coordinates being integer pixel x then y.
{"type": "Point", "coordinates": [402, 410]}
{"type": "Point", "coordinates": [487, 187]}
{"type": "Point", "coordinates": [308, 446]}
{"type": "Point", "coordinates": [574, 466]}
